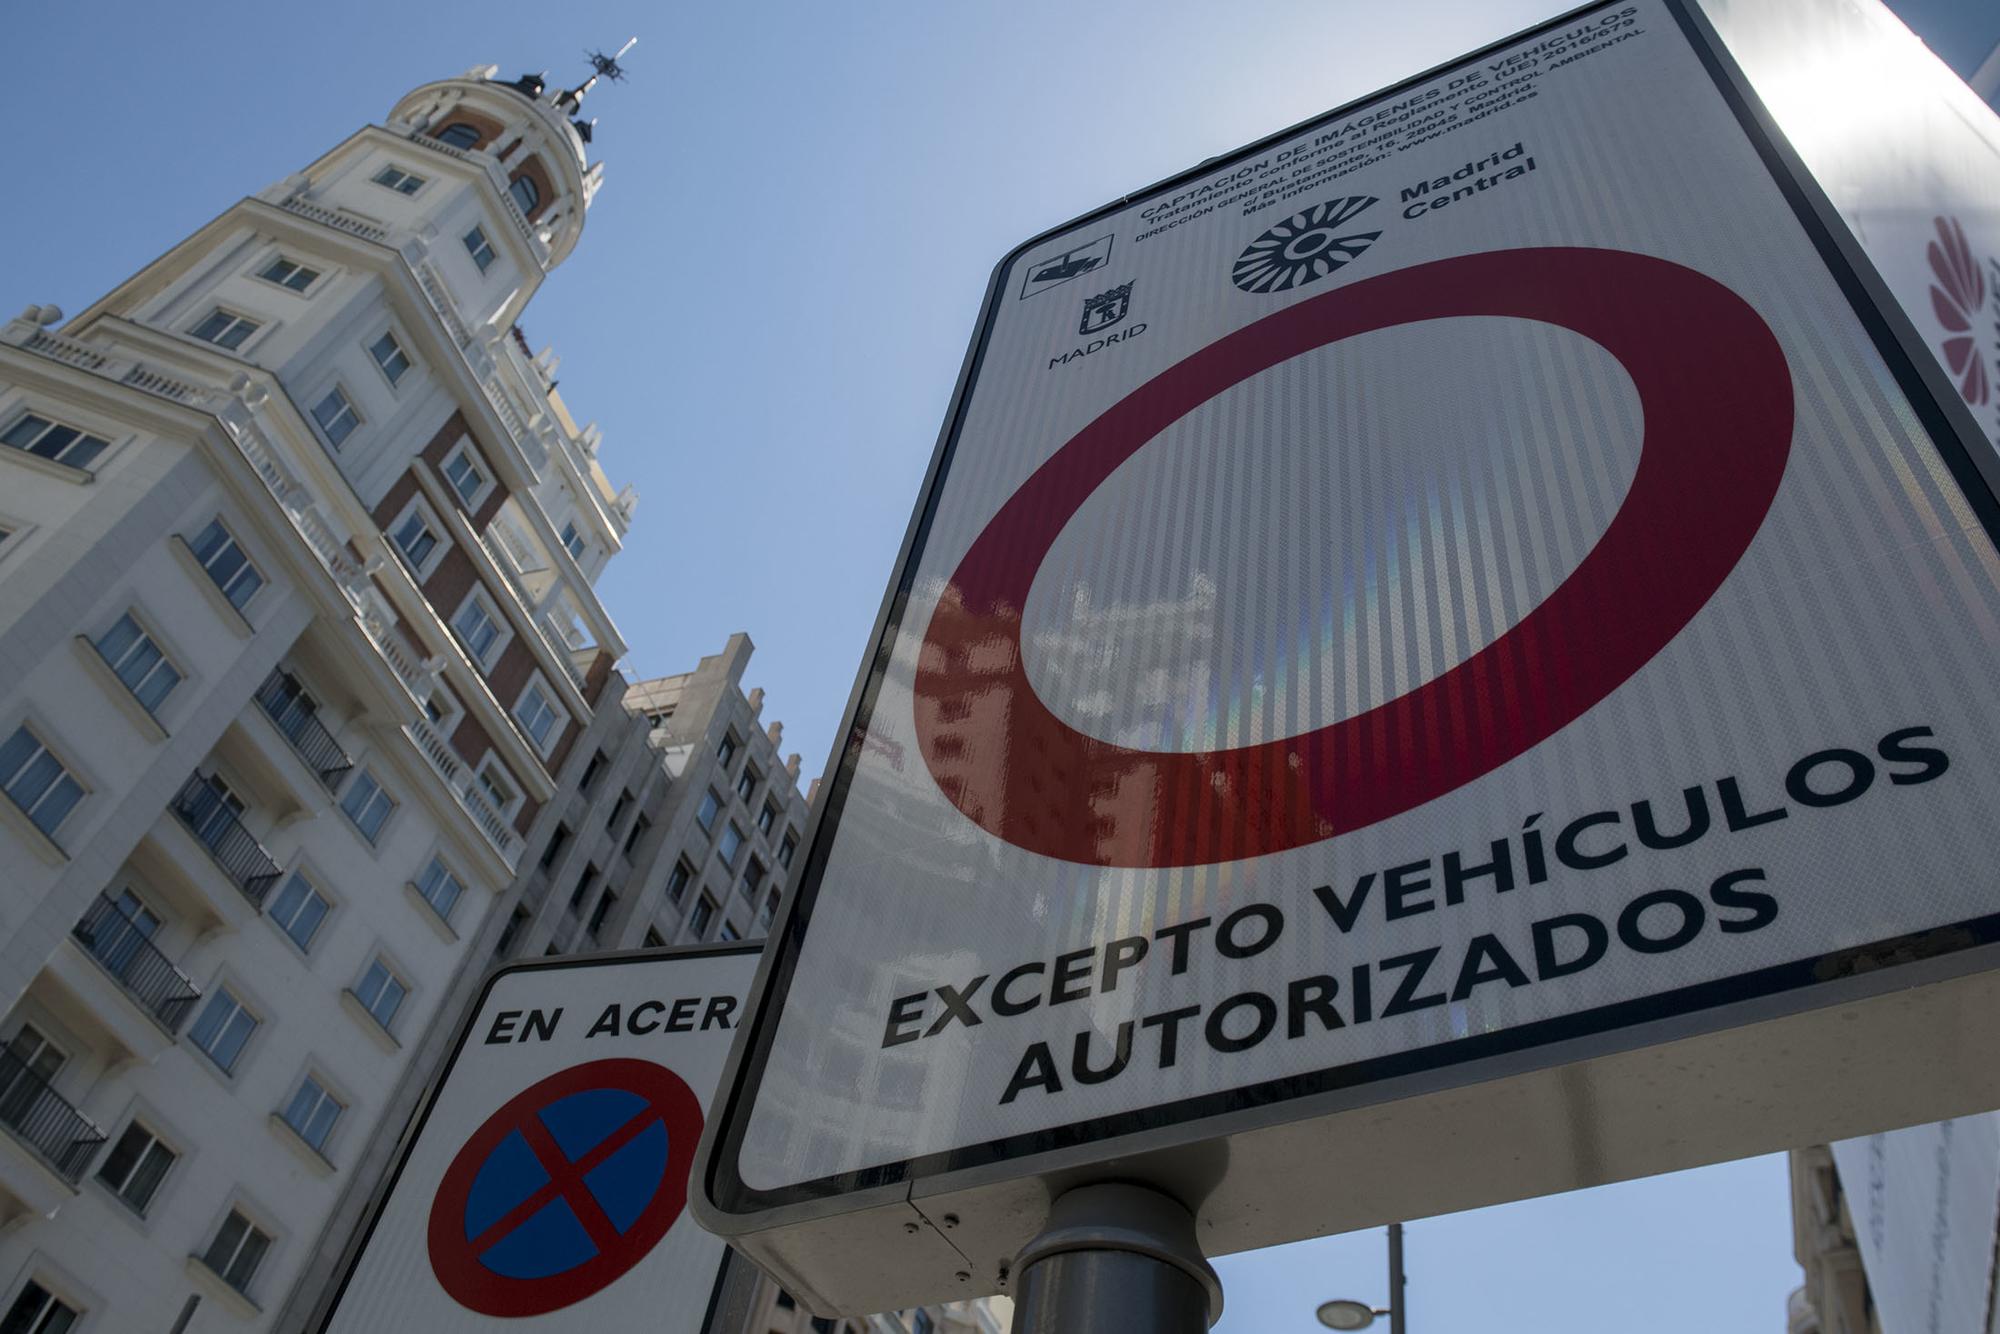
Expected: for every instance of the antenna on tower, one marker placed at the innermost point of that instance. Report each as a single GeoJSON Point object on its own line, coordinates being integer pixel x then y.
{"type": "Point", "coordinates": [602, 67]}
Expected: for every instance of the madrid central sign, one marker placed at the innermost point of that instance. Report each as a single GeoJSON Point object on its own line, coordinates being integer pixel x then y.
{"type": "Point", "coordinates": [1489, 695]}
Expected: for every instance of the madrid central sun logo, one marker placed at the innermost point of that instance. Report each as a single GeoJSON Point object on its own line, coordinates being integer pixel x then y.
{"type": "Point", "coordinates": [1304, 247]}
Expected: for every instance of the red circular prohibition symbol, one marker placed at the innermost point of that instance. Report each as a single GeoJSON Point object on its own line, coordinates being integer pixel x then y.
{"type": "Point", "coordinates": [536, 1144]}
{"type": "Point", "coordinates": [1716, 394]}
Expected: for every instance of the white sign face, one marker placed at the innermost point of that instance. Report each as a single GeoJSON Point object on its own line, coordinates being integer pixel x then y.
{"type": "Point", "coordinates": [546, 1184]}
{"type": "Point", "coordinates": [1923, 1203]}
{"type": "Point", "coordinates": [1458, 578]}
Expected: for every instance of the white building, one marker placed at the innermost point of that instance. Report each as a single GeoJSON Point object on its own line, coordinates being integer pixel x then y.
{"type": "Point", "coordinates": [297, 631]}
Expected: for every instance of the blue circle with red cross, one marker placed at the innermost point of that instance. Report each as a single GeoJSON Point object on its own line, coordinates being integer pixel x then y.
{"type": "Point", "coordinates": [564, 1188]}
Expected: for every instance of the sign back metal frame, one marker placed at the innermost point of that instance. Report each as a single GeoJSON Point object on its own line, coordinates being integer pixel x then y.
{"type": "Point", "coordinates": [1186, 1145]}
{"type": "Point", "coordinates": [357, 1244]}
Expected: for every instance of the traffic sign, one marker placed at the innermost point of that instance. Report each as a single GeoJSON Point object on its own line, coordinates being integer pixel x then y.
{"type": "Point", "coordinates": [564, 1188]}
{"type": "Point", "coordinates": [544, 1183]}
{"type": "Point", "coordinates": [1442, 657]}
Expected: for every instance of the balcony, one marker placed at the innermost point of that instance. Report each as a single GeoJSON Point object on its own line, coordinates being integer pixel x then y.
{"type": "Point", "coordinates": [115, 941]}
{"type": "Point", "coordinates": [239, 408]}
{"type": "Point", "coordinates": [286, 704]}
{"type": "Point", "coordinates": [41, 1119]}
{"type": "Point", "coordinates": [514, 573]}
{"type": "Point", "coordinates": [458, 777]}
{"type": "Point", "coordinates": [209, 817]}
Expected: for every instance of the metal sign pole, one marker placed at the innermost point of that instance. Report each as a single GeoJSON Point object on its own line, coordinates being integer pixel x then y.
{"type": "Point", "coordinates": [1395, 1278]}
{"type": "Point", "coordinates": [1116, 1256]}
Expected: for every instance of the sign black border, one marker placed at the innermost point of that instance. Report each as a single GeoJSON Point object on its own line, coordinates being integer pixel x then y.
{"type": "Point", "coordinates": [1852, 272]}
{"type": "Point", "coordinates": [350, 1260]}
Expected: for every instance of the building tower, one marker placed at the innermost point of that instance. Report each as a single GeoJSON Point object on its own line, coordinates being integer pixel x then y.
{"type": "Point", "coordinates": [297, 548]}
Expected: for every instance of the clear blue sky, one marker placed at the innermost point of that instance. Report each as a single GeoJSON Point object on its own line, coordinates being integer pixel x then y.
{"type": "Point", "coordinates": [766, 314]}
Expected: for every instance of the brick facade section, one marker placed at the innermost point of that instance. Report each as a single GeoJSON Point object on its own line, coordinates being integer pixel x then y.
{"type": "Point", "coordinates": [471, 740]}
{"type": "Point", "coordinates": [510, 674]}
{"type": "Point", "coordinates": [450, 581]}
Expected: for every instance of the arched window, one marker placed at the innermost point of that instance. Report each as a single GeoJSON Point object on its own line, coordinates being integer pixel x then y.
{"type": "Point", "coordinates": [526, 193]}
{"type": "Point", "coordinates": [459, 135]}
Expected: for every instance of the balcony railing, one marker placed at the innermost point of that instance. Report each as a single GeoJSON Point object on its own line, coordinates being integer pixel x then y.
{"type": "Point", "coordinates": [337, 218]}
{"type": "Point", "coordinates": [213, 823]}
{"type": "Point", "coordinates": [238, 409]}
{"type": "Point", "coordinates": [42, 1119]}
{"type": "Point", "coordinates": [284, 700]}
{"type": "Point", "coordinates": [460, 780]}
{"type": "Point", "coordinates": [116, 942]}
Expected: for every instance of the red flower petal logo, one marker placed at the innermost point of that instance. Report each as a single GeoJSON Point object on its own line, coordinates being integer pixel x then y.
{"type": "Point", "coordinates": [1957, 295]}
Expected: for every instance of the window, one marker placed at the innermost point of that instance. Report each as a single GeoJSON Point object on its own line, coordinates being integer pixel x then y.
{"type": "Point", "coordinates": [136, 1165]}
{"type": "Point", "coordinates": [389, 355]}
{"type": "Point", "coordinates": [367, 805]}
{"type": "Point", "coordinates": [478, 629]}
{"type": "Point", "coordinates": [525, 192]}
{"type": "Point", "coordinates": [767, 819]}
{"type": "Point", "coordinates": [440, 887]}
{"type": "Point", "coordinates": [572, 540]}
{"type": "Point", "coordinates": [747, 784]}
{"type": "Point", "coordinates": [298, 910]}
{"type": "Point", "coordinates": [222, 1028]}
{"type": "Point", "coordinates": [225, 329]}
{"type": "Point", "coordinates": [416, 536]}
{"type": "Point", "coordinates": [726, 752]}
{"type": "Point", "coordinates": [677, 883]}
{"type": "Point", "coordinates": [729, 932]}
{"type": "Point", "coordinates": [711, 805]}
{"type": "Point", "coordinates": [480, 248]}
{"type": "Point", "coordinates": [640, 825]}
{"type": "Point", "coordinates": [217, 552]}
{"type": "Point", "coordinates": [602, 911]}
{"type": "Point", "coordinates": [754, 872]}
{"type": "Point", "coordinates": [312, 1112]}
{"type": "Point", "coordinates": [37, 1311]}
{"type": "Point", "coordinates": [556, 842]}
{"type": "Point", "coordinates": [237, 1250]}
{"type": "Point", "coordinates": [582, 890]}
{"type": "Point", "coordinates": [336, 416]}
{"type": "Point", "coordinates": [618, 809]}
{"type": "Point", "coordinates": [464, 475]}
{"type": "Point", "coordinates": [381, 992]}
{"type": "Point", "coordinates": [496, 784]}
{"type": "Point", "coordinates": [785, 1301]}
{"type": "Point", "coordinates": [537, 716]}
{"type": "Point", "coordinates": [286, 273]}
{"type": "Point", "coordinates": [592, 770]}
{"type": "Point", "coordinates": [459, 135]}
{"type": "Point", "coordinates": [36, 781]}
{"type": "Point", "coordinates": [704, 913]}
{"type": "Point", "coordinates": [787, 849]}
{"type": "Point", "coordinates": [138, 662]}
{"type": "Point", "coordinates": [5, 533]}
{"type": "Point", "coordinates": [730, 844]}
{"type": "Point", "coordinates": [402, 182]}
{"type": "Point", "coordinates": [510, 933]}
{"type": "Point", "coordinates": [924, 1323]}
{"type": "Point", "coordinates": [654, 940]}
{"type": "Point", "coordinates": [442, 708]}
{"type": "Point", "coordinates": [52, 440]}
{"type": "Point", "coordinates": [770, 912]}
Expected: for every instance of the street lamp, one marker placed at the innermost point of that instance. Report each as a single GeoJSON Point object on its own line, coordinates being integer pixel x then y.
{"type": "Point", "coordinates": [1343, 1313]}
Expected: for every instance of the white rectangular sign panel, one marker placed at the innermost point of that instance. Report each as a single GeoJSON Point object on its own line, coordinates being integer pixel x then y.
{"type": "Point", "coordinates": [1924, 1202]}
{"type": "Point", "coordinates": [544, 1184]}
{"type": "Point", "coordinates": [1466, 590]}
